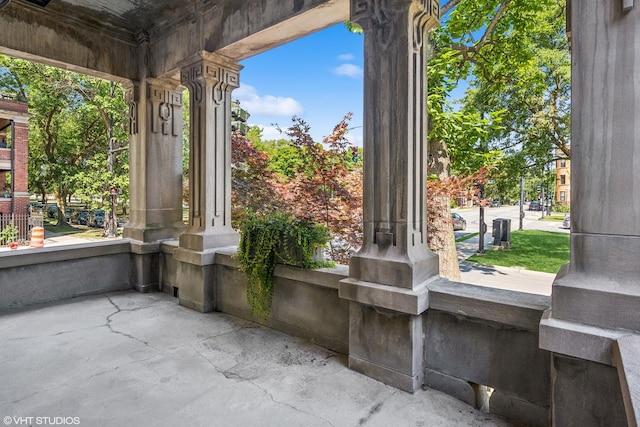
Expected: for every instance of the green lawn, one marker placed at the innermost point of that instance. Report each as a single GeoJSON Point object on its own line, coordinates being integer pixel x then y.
{"type": "Point", "coordinates": [76, 231]}
{"type": "Point", "coordinates": [466, 237]}
{"type": "Point", "coordinates": [553, 218]}
{"type": "Point", "coordinates": [531, 249]}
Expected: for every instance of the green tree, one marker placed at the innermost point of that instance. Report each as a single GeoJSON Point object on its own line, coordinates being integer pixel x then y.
{"type": "Point", "coordinates": [514, 56]}
{"type": "Point", "coordinates": [69, 131]}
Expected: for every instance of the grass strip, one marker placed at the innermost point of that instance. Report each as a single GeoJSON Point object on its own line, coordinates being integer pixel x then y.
{"type": "Point", "coordinates": [466, 237]}
{"type": "Point", "coordinates": [530, 249]}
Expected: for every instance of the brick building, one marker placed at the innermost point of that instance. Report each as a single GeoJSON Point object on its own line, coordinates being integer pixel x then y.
{"type": "Point", "coordinates": [563, 180]}
{"type": "Point", "coordinates": [14, 152]}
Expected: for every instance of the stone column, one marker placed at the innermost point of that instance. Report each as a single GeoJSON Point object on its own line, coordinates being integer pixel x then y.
{"type": "Point", "coordinates": [391, 270]}
{"type": "Point", "coordinates": [155, 161]}
{"type": "Point", "coordinates": [595, 299]}
{"type": "Point", "coordinates": [210, 79]}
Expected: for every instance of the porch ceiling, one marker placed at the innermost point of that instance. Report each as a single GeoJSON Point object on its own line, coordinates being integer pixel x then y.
{"type": "Point", "coordinates": [125, 15]}
{"type": "Point", "coordinates": [110, 37]}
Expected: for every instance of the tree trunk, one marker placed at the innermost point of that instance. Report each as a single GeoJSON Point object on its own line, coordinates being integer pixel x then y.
{"type": "Point", "coordinates": [62, 207]}
{"type": "Point", "coordinates": [441, 238]}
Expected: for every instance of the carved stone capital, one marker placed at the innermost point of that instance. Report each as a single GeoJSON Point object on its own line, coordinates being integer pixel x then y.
{"type": "Point", "coordinates": [211, 70]}
{"type": "Point", "coordinates": [426, 15]}
{"type": "Point", "coordinates": [166, 104]}
{"type": "Point", "coordinates": [370, 14]}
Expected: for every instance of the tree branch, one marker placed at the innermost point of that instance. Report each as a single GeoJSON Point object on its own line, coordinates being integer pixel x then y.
{"type": "Point", "coordinates": [448, 6]}
{"type": "Point", "coordinates": [492, 25]}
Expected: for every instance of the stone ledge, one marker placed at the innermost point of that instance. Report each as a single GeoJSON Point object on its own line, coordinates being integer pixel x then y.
{"type": "Point", "coordinates": [144, 248]}
{"type": "Point", "coordinates": [325, 277]}
{"type": "Point", "coordinates": [168, 246]}
{"type": "Point", "coordinates": [402, 300]}
{"type": "Point", "coordinates": [63, 253]}
{"type": "Point", "coordinates": [199, 258]}
{"type": "Point", "coordinates": [578, 340]}
{"type": "Point", "coordinates": [513, 308]}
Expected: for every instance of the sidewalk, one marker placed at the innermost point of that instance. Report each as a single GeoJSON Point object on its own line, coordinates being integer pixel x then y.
{"type": "Point", "coordinates": [53, 239]}
{"type": "Point", "coordinates": [515, 279]}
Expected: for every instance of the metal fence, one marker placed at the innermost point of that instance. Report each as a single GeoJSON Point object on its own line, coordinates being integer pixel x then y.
{"type": "Point", "coordinates": [23, 223]}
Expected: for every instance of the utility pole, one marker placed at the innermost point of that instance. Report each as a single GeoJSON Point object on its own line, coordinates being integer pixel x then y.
{"type": "Point", "coordinates": [482, 225]}
{"type": "Point", "coordinates": [543, 199]}
{"type": "Point", "coordinates": [521, 203]}
{"type": "Point", "coordinates": [113, 230]}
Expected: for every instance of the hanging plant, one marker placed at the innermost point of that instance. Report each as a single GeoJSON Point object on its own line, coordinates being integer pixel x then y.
{"type": "Point", "coordinates": [271, 239]}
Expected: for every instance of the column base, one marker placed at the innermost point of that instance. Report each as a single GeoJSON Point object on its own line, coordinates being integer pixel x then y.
{"type": "Point", "coordinates": [585, 394]}
{"type": "Point", "coordinates": [406, 271]}
{"type": "Point", "coordinates": [196, 278]}
{"type": "Point", "coordinates": [203, 241]}
{"type": "Point", "coordinates": [386, 346]}
{"type": "Point", "coordinates": [146, 266]}
{"type": "Point", "coordinates": [600, 287]}
{"type": "Point", "coordinates": [152, 233]}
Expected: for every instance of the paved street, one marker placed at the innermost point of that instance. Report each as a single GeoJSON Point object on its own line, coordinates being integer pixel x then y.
{"type": "Point", "coordinates": [530, 221]}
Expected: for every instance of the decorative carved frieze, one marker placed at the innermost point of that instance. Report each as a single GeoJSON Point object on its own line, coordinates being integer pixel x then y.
{"type": "Point", "coordinates": [201, 75]}
{"type": "Point", "coordinates": [191, 77]}
{"type": "Point", "coordinates": [165, 104]}
{"type": "Point", "coordinates": [132, 98]}
{"type": "Point", "coordinates": [380, 13]}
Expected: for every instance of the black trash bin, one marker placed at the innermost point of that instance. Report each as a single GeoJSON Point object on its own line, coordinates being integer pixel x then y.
{"type": "Point", "coordinates": [502, 232]}
{"type": "Point", "coordinates": [497, 231]}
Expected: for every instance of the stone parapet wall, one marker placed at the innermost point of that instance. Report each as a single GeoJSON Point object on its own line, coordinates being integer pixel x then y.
{"type": "Point", "coordinates": [481, 346]}
{"type": "Point", "coordinates": [305, 304]}
{"type": "Point", "coordinates": [39, 275]}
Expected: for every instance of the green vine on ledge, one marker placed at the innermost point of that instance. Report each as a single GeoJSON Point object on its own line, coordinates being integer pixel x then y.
{"type": "Point", "coordinates": [276, 238]}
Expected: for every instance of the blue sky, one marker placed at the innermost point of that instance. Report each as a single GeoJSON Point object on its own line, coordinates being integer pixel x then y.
{"type": "Point", "coordinates": [318, 78]}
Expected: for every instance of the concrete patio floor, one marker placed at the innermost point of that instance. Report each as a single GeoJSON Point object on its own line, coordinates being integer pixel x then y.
{"type": "Point", "coordinates": [131, 359]}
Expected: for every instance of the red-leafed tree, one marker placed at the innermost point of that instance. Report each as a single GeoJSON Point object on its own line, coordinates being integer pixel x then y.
{"type": "Point", "coordinates": [254, 187]}
{"type": "Point", "coordinates": [324, 188]}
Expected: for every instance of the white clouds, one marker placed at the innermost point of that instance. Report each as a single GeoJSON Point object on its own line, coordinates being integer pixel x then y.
{"type": "Point", "coordinates": [270, 133]}
{"type": "Point", "coordinates": [268, 104]}
{"type": "Point", "coordinates": [355, 138]}
{"type": "Point", "coordinates": [346, 57]}
{"type": "Point", "coordinates": [349, 70]}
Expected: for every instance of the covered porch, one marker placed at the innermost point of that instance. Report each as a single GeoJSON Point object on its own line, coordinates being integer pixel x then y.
{"type": "Point", "coordinates": [126, 358]}
{"type": "Point", "coordinates": [564, 360]}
